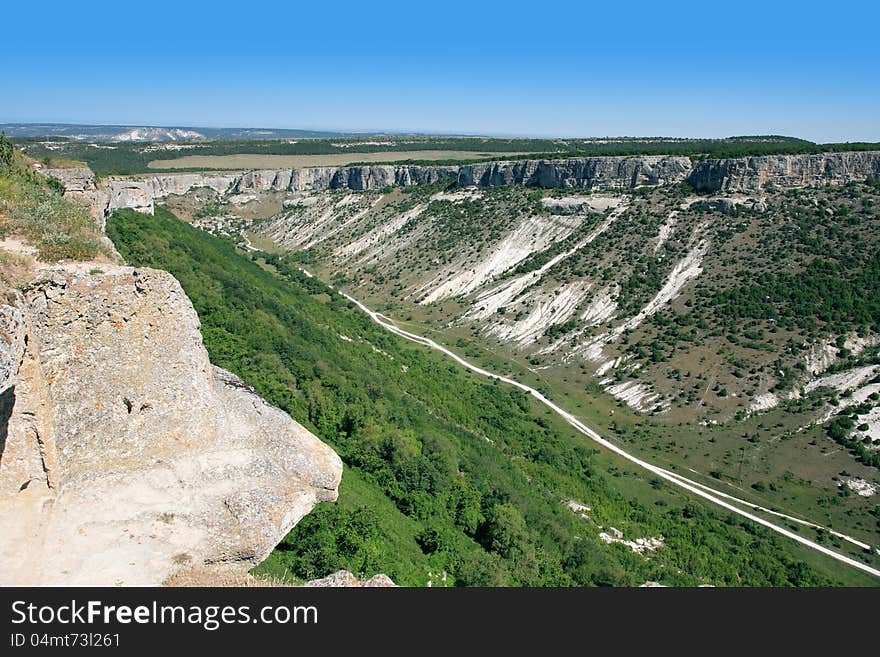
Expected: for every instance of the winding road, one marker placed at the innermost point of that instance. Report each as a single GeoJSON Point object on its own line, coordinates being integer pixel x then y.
{"type": "Point", "coordinates": [701, 490]}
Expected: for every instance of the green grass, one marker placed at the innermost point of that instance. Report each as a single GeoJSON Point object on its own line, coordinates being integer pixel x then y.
{"type": "Point", "coordinates": [445, 470]}
{"type": "Point", "coordinates": [58, 228]}
{"type": "Point", "coordinates": [33, 208]}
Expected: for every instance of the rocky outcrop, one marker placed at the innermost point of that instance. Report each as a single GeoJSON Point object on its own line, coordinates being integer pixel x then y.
{"type": "Point", "coordinates": [140, 193]}
{"type": "Point", "coordinates": [74, 179]}
{"type": "Point", "coordinates": [160, 186]}
{"type": "Point", "coordinates": [345, 579]}
{"type": "Point", "coordinates": [580, 172]}
{"type": "Point", "coordinates": [133, 194]}
{"type": "Point", "coordinates": [588, 173]}
{"type": "Point", "coordinates": [125, 455]}
{"type": "Point", "coordinates": [81, 185]}
{"type": "Point", "coordinates": [752, 174]}
{"type": "Point", "coordinates": [744, 175]}
{"type": "Point", "coordinates": [727, 205]}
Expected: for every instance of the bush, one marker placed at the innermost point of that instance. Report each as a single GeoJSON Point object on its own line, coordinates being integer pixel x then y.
{"type": "Point", "coordinates": [6, 153]}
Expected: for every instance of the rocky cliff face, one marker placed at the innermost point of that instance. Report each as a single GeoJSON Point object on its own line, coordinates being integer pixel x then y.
{"type": "Point", "coordinates": [74, 179]}
{"type": "Point", "coordinates": [588, 173]}
{"type": "Point", "coordinates": [81, 185]}
{"type": "Point", "coordinates": [752, 174]}
{"type": "Point", "coordinates": [139, 194]}
{"type": "Point", "coordinates": [360, 178]}
{"type": "Point", "coordinates": [744, 175]}
{"type": "Point", "coordinates": [124, 454]}
{"type": "Point", "coordinates": [133, 194]}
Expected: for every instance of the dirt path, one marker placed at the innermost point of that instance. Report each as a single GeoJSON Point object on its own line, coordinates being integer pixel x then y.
{"type": "Point", "coordinates": [701, 490]}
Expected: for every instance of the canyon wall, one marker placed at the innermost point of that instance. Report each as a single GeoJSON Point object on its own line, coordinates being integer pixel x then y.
{"type": "Point", "coordinates": [603, 173]}
{"type": "Point", "coordinates": [748, 175]}
{"type": "Point", "coordinates": [752, 174]}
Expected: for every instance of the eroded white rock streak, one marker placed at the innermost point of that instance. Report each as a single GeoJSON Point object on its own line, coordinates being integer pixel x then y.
{"type": "Point", "coordinates": [488, 303]}
{"type": "Point", "coordinates": [635, 394]}
{"type": "Point", "coordinates": [843, 381]}
{"type": "Point", "coordinates": [380, 234]}
{"type": "Point", "coordinates": [684, 270]}
{"type": "Point", "coordinates": [549, 309]}
{"type": "Point", "coordinates": [666, 230]}
{"type": "Point", "coordinates": [533, 235]}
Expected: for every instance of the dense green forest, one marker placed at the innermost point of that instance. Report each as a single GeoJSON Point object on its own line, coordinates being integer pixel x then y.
{"type": "Point", "coordinates": [449, 478]}
{"type": "Point", "coordinates": [133, 158]}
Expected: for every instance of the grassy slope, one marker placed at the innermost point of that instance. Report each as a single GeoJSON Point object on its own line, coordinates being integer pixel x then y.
{"type": "Point", "coordinates": [32, 207]}
{"type": "Point", "coordinates": [446, 472]}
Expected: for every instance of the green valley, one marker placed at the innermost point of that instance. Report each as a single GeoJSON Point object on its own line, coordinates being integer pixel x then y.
{"type": "Point", "coordinates": [447, 472]}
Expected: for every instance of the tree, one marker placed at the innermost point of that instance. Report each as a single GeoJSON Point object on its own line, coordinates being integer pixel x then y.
{"type": "Point", "coordinates": [480, 568]}
{"type": "Point", "coordinates": [6, 152]}
{"type": "Point", "coordinates": [505, 530]}
{"type": "Point", "coordinates": [466, 507]}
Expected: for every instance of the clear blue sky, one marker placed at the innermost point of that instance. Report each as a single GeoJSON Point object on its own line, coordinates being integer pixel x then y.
{"type": "Point", "coordinates": [538, 68]}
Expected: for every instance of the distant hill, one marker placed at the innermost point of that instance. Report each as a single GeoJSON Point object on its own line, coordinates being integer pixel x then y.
{"type": "Point", "coordinates": [110, 133]}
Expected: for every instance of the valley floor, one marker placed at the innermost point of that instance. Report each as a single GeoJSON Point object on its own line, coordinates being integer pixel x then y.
{"type": "Point", "coordinates": [723, 500]}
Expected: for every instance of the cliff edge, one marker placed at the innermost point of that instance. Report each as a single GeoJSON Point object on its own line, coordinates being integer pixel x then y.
{"type": "Point", "coordinates": [733, 175]}
{"type": "Point", "coordinates": [124, 454]}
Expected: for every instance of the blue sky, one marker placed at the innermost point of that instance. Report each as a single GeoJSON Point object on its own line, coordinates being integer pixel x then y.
{"type": "Point", "coordinates": [480, 67]}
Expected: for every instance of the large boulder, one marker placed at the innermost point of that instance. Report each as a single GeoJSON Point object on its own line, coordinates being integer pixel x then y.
{"type": "Point", "coordinates": [125, 454]}
{"type": "Point", "coordinates": [345, 579]}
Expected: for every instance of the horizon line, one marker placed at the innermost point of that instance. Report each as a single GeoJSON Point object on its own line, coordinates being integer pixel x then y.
{"type": "Point", "coordinates": [404, 132]}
